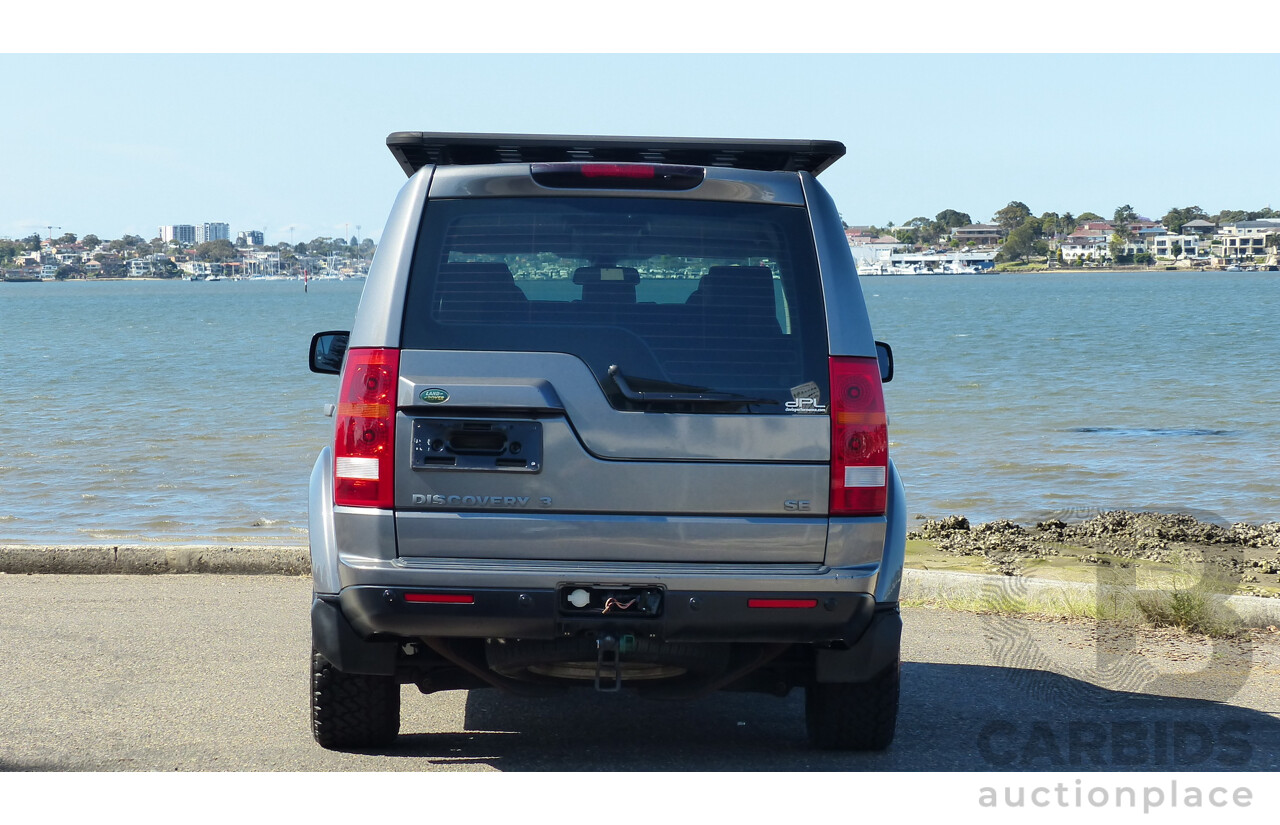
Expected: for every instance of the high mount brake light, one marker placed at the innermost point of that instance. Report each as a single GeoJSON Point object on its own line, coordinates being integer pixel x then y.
{"type": "Point", "coordinates": [616, 175]}
{"type": "Point", "coordinates": [619, 170]}
{"type": "Point", "coordinates": [859, 438]}
{"type": "Point", "coordinates": [364, 444]}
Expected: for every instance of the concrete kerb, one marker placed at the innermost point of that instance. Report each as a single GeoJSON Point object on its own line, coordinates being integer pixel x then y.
{"type": "Point", "coordinates": [930, 585]}
{"type": "Point", "coordinates": [286, 561]}
{"type": "Point", "coordinates": [933, 585]}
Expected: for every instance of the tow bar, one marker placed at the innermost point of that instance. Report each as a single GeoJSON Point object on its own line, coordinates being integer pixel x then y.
{"type": "Point", "coordinates": [609, 650]}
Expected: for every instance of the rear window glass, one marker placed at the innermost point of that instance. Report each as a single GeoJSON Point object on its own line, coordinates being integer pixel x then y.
{"type": "Point", "coordinates": [662, 299]}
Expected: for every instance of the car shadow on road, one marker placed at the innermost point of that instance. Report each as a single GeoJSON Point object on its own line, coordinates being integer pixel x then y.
{"type": "Point", "coordinates": [952, 718]}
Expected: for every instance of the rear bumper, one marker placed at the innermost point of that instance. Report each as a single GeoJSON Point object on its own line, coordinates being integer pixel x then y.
{"type": "Point", "coordinates": [536, 613]}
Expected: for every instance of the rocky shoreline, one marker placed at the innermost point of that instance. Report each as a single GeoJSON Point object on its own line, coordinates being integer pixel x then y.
{"type": "Point", "coordinates": [1243, 556]}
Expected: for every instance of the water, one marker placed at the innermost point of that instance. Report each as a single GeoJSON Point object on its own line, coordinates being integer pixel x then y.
{"type": "Point", "coordinates": [170, 412]}
{"type": "Point", "coordinates": [183, 412]}
{"type": "Point", "coordinates": [1022, 396]}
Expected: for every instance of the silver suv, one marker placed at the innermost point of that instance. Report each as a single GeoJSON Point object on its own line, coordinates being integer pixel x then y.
{"type": "Point", "coordinates": [610, 416]}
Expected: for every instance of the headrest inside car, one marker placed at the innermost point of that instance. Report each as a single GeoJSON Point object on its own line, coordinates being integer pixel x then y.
{"type": "Point", "coordinates": [606, 275]}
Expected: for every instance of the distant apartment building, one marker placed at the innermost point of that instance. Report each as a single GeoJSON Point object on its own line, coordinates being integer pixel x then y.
{"type": "Point", "coordinates": [1162, 245]}
{"type": "Point", "coordinates": [1199, 227]}
{"type": "Point", "coordinates": [213, 232]}
{"type": "Point", "coordinates": [980, 234]}
{"type": "Point", "coordinates": [1246, 238]}
{"type": "Point", "coordinates": [182, 233]}
{"type": "Point", "coordinates": [250, 238]}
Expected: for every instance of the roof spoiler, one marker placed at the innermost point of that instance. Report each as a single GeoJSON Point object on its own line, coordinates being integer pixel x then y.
{"type": "Point", "coordinates": [414, 150]}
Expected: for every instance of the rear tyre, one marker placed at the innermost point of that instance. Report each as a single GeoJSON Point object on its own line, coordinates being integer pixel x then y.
{"type": "Point", "coordinates": [855, 716]}
{"type": "Point", "coordinates": [350, 710]}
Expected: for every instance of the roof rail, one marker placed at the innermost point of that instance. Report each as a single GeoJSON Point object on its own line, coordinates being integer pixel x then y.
{"type": "Point", "coordinates": [413, 150]}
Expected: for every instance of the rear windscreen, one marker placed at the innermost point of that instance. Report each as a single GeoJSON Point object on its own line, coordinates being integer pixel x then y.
{"type": "Point", "coordinates": [698, 306]}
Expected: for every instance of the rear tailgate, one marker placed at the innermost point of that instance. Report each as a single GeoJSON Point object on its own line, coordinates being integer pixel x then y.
{"type": "Point", "coordinates": [545, 468]}
{"type": "Point", "coordinates": [613, 378]}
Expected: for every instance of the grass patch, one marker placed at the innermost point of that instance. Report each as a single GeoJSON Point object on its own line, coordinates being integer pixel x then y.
{"type": "Point", "coordinates": [1191, 608]}
{"type": "Point", "coordinates": [1059, 604]}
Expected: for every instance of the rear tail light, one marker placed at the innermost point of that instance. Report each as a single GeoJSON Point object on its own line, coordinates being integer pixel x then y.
{"type": "Point", "coordinates": [364, 444]}
{"type": "Point", "coordinates": [859, 438]}
{"type": "Point", "coordinates": [617, 175]}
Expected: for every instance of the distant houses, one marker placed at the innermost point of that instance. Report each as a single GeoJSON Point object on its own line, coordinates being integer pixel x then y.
{"type": "Point", "coordinates": [978, 234]}
{"type": "Point", "coordinates": [172, 255]}
{"type": "Point", "coordinates": [1200, 243]}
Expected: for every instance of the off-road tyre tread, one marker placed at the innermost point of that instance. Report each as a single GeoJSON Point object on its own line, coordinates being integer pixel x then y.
{"type": "Point", "coordinates": [349, 710]}
{"type": "Point", "coordinates": [854, 716]}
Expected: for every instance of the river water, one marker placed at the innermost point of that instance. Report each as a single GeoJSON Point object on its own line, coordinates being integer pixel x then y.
{"type": "Point", "coordinates": [1023, 396]}
{"type": "Point", "coordinates": [183, 412]}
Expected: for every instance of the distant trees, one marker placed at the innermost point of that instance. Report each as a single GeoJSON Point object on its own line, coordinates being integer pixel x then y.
{"type": "Point", "coordinates": [1176, 218]}
{"type": "Point", "coordinates": [1121, 233]}
{"type": "Point", "coordinates": [1116, 246]}
{"type": "Point", "coordinates": [952, 219]}
{"type": "Point", "coordinates": [66, 239]}
{"type": "Point", "coordinates": [126, 243]}
{"type": "Point", "coordinates": [1023, 241]}
{"type": "Point", "coordinates": [1236, 215]}
{"type": "Point", "coordinates": [1053, 224]}
{"type": "Point", "coordinates": [216, 251]}
{"type": "Point", "coordinates": [9, 251]}
{"type": "Point", "coordinates": [1085, 217]}
{"type": "Point", "coordinates": [90, 241]}
{"type": "Point", "coordinates": [1020, 243]}
{"type": "Point", "coordinates": [1124, 215]}
{"type": "Point", "coordinates": [1012, 216]}
{"type": "Point", "coordinates": [919, 231]}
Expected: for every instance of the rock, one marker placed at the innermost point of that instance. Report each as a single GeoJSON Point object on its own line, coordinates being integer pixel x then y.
{"type": "Point", "coordinates": [939, 528]}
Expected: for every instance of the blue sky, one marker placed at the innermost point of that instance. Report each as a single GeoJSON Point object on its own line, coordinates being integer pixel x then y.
{"type": "Point", "coordinates": [115, 144]}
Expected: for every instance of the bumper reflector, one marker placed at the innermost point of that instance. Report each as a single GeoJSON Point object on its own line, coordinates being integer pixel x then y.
{"type": "Point", "coordinates": [440, 598]}
{"type": "Point", "coordinates": [782, 602]}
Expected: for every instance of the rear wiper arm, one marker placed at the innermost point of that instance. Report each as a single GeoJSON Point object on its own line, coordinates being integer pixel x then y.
{"type": "Point", "coordinates": [696, 395]}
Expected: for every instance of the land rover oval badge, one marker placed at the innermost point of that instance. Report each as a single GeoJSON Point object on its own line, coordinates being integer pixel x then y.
{"type": "Point", "coordinates": [434, 395]}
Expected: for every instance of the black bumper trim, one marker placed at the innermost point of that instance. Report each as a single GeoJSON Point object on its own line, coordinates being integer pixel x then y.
{"type": "Point", "coordinates": [686, 616]}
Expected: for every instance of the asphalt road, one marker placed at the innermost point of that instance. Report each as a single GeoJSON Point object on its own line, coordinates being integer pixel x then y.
{"type": "Point", "coordinates": [209, 673]}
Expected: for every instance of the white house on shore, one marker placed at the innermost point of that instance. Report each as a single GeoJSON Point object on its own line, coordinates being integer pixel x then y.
{"type": "Point", "coordinates": [1162, 246]}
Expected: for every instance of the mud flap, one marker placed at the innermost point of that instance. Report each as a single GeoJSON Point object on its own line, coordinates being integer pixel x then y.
{"type": "Point", "coordinates": [333, 638]}
{"type": "Point", "coordinates": [878, 648]}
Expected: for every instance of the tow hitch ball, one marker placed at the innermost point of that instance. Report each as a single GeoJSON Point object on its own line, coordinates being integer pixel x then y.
{"type": "Point", "coordinates": [609, 650]}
